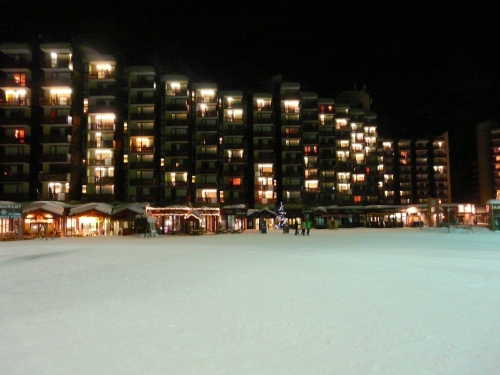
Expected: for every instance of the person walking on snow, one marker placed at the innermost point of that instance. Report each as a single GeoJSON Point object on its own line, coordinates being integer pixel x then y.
{"type": "Point", "coordinates": [308, 226]}
{"type": "Point", "coordinates": [303, 228]}
{"type": "Point", "coordinates": [296, 227]}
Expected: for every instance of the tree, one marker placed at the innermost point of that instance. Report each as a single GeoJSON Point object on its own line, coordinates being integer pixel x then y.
{"type": "Point", "coordinates": [281, 218]}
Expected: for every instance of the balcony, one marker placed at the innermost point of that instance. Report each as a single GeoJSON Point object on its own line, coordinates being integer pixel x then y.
{"type": "Point", "coordinates": [101, 162]}
{"type": "Point", "coordinates": [142, 182]}
{"type": "Point", "coordinates": [15, 121]}
{"type": "Point", "coordinates": [53, 82]}
{"type": "Point", "coordinates": [101, 180]}
{"type": "Point", "coordinates": [107, 75]}
{"type": "Point", "coordinates": [176, 184]}
{"type": "Point", "coordinates": [179, 153]}
{"type": "Point", "coordinates": [236, 131]}
{"type": "Point", "coordinates": [102, 91]}
{"type": "Point", "coordinates": [233, 143]}
{"type": "Point", "coordinates": [61, 177]}
{"type": "Point", "coordinates": [233, 120]}
{"type": "Point", "coordinates": [15, 102]}
{"type": "Point", "coordinates": [206, 171]}
{"type": "Point", "coordinates": [17, 177]}
{"type": "Point", "coordinates": [142, 84]}
{"type": "Point", "coordinates": [175, 123]}
{"type": "Point", "coordinates": [142, 165]}
{"type": "Point", "coordinates": [55, 139]}
{"type": "Point", "coordinates": [265, 200]}
{"type": "Point", "coordinates": [54, 158]}
{"type": "Point", "coordinates": [100, 144]}
{"type": "Point", "coordinates": [142, 149]}
{"type": "Point", "coordinates": [101, 127]}
{"type": "Point", "coordinates": [144, 100]}
{"type": "Point", "coordinates": [176, 107]}
{"type": "Point", "coordinates": [207, 185]}
{"type": "Point", "coordinates": [206, 114]}
{"type": "Point", "coordinates": [55, 120]}
{"type": "Point", "coordinates": [15, 159]}
{"type": "Point", "coordinates": [233, 159]}
{"type": "Point", "coordinates": [264, 133]}
{"type": "Point", "coordinates": [180, 138]}
{"type": "Point", "coordinates": [207, 157]}
{"type": "Point", "coordinates": [12, 140]}
{"type": "Point", "coordinates": [229, 187]}
{"type": "Point", "coordinates": [263, 108]}
{"type": "Point", "coordinates": [264, 157]}
{"type": "Point", "coordinates": [263, 147]}
{"type": "Point", "coordinates": [141, 132]}
{"type": "Point", "coordinates": [142, 116]}
{"type": "Point", "coordinates": [176, 92]}
{"type": "Point", "coordinates": [56, 64]}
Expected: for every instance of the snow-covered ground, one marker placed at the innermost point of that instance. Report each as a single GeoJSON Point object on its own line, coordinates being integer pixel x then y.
{"type": "Point", "coordinates": [350, 301]}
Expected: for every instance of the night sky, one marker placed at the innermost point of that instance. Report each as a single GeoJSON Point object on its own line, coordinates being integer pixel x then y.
{"type": "Point", "coordinates": [429, 68]}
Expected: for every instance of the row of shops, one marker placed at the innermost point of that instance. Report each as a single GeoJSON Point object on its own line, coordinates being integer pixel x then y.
{"type": "Point", "coordinates": [51, 218]}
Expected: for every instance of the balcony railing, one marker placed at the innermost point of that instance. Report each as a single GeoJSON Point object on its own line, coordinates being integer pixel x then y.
{"type": "Point", "coordinates": [11, 140]}
{"type": "Point", "coordinates": [142, 116]}
{"type": "Point", "coordinates": [176, 107]}
{"type": "Point", "coordinates": [14, 158]}
{"type": "Point", "coordinates": [176, 184]}
{"type": "Point", "coordinates": [54, 158]}
{"type": "Point", "coordinates": [101, 126]}
{"type": "Point", "coordinates": [64, 139]}
{"type": "Point", "coordinates": [100, 144]}
{"type": "Point", "coordinates": [17, 102]}
{"type": "Point", "coordinates": [15, 120]}
{"type": "Point", "coordinates": [181, 153]}
{"type": "Point", "coordinates": [56, 120]}
{"type": "Point", "coordinates": [142, 182]}
{"type": "Point", "coordinates": [56, 64]}
{"type": "Point", "coordinates": [102, 91]}
{"type": "Point", "coordinates": [142, 149]}
{"type": "Point", "coordinates": [63, 177]}
{"type": "Point", "coordinates": [103, 75]}
{"type": "Point", "coordinates": [101, 162]}
{"type": "Point", "coordinates": [17, 177]}
{"type": "Point", "coordinates": [143, 100]}
{"type": "Point", "coordinates": [206, 113]}
{"type": "Point", "coordinates": [101, 180]}
{"type": "Point", "coordinates": [142, 165]}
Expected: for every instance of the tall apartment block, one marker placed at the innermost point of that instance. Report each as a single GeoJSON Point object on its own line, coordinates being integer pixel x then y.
{"type": "Point", "coordinates": [56, 136]}
{"type": "Point", "coordinates": [100, 115]}
{"type": "Point", "coordinates": [16, 143]}
{"type": "Point", "coordinates": [263, 157]}
{"type": "Point", "coordinates": [176, 140]}
{"type": "Point", "coordinates": [140, 143]}
{"type": "Point", "coordinates": [77, 127]}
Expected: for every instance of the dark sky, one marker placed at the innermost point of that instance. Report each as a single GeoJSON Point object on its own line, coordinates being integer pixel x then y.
{"type": "Point", "coordinates": [429, 67]}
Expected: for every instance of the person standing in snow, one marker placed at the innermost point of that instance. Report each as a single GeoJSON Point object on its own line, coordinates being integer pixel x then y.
{"type": "Point", "coordinates": [308, 226]}
{"type": "Point", "coordinates": [303, 226]}
{"type": "Point", "coordinates": [296, 227]}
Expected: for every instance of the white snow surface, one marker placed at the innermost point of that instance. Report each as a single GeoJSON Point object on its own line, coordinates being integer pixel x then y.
{"type": "Point", "coordinates": [349, 301]}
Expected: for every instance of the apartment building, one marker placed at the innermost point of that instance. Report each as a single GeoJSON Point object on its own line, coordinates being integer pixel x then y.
{"type": "Point", "coordinates": [263, 157]}
{"type": "Point", "coordinates": [140, 139]}
{"type": "Point", "coordinates": [133, 135]}
{"type": "Point", "coordinates": [100, 115]}
{"type": "Point", "coordinates": [16, 123]}
{"type": "Point", "coordinates": [177, 151]}
{"type": "Point", "coordinates": [57, 130]}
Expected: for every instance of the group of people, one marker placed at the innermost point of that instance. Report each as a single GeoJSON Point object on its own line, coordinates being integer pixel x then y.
{"type": "Point", "coordinates": [305, 227]}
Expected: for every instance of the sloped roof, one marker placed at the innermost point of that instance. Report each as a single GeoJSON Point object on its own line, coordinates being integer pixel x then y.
{"type": "Point", "coordinates": [102, 208]}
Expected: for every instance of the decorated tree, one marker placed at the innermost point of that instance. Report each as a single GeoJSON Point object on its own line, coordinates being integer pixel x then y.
{"type": "Point", "coordinates": [281, 218]}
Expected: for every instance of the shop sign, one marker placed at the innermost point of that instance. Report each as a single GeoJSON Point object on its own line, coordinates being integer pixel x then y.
{"type": "Point", "coordinates": [10, 211]}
